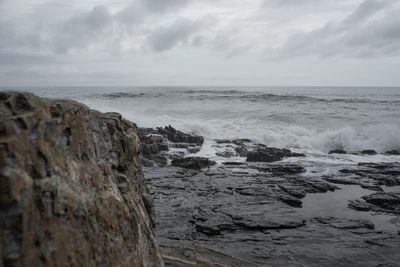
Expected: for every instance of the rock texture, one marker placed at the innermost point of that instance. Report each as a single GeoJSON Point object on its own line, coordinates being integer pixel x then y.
{"type": "Point", "coordinates": [72, 188]}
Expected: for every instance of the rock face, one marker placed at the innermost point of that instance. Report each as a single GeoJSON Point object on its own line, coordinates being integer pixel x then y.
{"type": "Point", "coordinates": [72, 188]}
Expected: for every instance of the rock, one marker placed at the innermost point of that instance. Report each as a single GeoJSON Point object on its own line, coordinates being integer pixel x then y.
{"type": "Point", "coordinates": [240, 142]}
{"type": "Point", "coordinates": [359, 205]}
{"type": "Point", "coordinates": [345, 223]}
{"type": "Point", "coordinates": [270, 154]}
{"type": "Point", "coordinates": [72, 188]}
{"type": "Point", "coordinates": [296, 191]}
{"type": "Point", "coordinates": [193, 163]}
{"type": "Point", "coordinates": [286, 168]}
{"type": "Point", "coordinates": [368, 152]}
{"type": "Point", "coordinates": [384, 199]}
{"type": "Point", "coordinates": [241, 150]}
{"type": "Point", "coordinates": [223, 141]}
{"type": "Point", "coordinates": [291, 201]}
{"type": "Point", "coordinates": [337, 151]}
{"type": "Point", "coordinates": [226, 152]}
{"type": "Point", "coordinates": [177, 136]}
{"type": "Point", "coordinates": [341, 180]}
{"type": "Point", "coordinates": [392, 152]}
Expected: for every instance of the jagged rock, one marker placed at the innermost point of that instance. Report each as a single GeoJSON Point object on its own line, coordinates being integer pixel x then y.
{"type": "Point", "coordinates": [193, 163]}
{"type": "Point", "coordinates": [270, 154]}
{"type": "Point", "coordinates": [337, 151]}
{"type": "Point", "coordinates": [177, 136]}
{"type": "Point", "coordinates": [72, 188]}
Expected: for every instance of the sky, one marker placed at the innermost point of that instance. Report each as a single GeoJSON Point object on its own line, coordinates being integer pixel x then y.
{"type": "Point", "coordinates": [200, 42]}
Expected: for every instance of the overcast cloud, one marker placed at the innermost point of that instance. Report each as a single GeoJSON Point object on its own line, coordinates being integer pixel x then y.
{"type": "Point", "coordinates": [187, 42]}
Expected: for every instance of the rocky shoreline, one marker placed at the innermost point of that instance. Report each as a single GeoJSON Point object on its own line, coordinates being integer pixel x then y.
{"type": "Point", "coordinates": [81, 187]}
{"type": "Point", "coordinates": [252, 212]}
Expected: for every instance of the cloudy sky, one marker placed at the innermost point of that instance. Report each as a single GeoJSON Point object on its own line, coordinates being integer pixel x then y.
{"type": "Point", "coordinates": [203, 42]}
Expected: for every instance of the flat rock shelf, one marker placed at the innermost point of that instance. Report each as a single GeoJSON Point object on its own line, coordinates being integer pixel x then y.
{"type": "Point", "coordinates": [267, 211]}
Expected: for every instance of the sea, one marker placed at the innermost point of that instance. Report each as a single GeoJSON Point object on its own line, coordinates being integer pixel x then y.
{"type": "Point", "coordinates": [313, 120]}
{"type": "Point", "coordinates": [309, 120]}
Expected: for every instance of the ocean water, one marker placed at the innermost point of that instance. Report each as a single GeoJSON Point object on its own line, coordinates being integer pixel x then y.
{"type": "Point", "coordinates": [311, 120]}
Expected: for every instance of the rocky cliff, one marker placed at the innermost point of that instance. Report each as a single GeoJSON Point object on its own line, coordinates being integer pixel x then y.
{"type": "Point", "coordinates": [72, 188]}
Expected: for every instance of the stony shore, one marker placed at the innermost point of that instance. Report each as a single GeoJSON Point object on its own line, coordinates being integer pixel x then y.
{"type": "Point", "coordinates": [262, 211]}
{"type": "Point", "coordinates": [85, 188]}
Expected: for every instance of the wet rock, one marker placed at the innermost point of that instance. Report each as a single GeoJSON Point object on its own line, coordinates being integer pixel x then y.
{"type": "Point", "coordinates": [193, 163]}
{"type": "Point", "coordinates": [291, 201]}
{"type": "Point", "coordinates": [341, 180]}
{"type": "Point", "coordinates": [280, 169]}
{"type": "Point", "coordinates": [388, 200]}
{"type": "Point", "coordinates": [296, 191]}
{"type": "Point", "coordinates": [240, 142]}
{"type": "Point", "coordinates": [270, 154]}
{"type": "Point", "coordinates": [392, 152]}
{"type": "Point", "coordinates": [337, 151]}
{"type": "Point", "coordinates": [360, 205]}
{"type": "Point", "coordinates": [345, 223]}
{"type": "Point", "coordinates": [241, 150]}
{"type": "Point", "coordinates": [72, 188]}
{"type": "Point", "coordinates": [223, 141]}
{"type": "Point", "coordinates": [226, 152]}
{"type": "Point", "coordinates": [368, 152]}
{"type": "Point", "coordinates": [177, 136]}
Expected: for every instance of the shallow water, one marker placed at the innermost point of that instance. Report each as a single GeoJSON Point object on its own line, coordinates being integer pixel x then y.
{"type": "Point", "coordinates": [334, 204]}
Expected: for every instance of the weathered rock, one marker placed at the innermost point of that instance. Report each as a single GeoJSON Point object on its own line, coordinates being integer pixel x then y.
{"type": "Point", "coordinates": [270, 154]}
{"type": "Point", "coordinates": [193, 163]}
{"type": "Point", "coordinates": [72, 188]}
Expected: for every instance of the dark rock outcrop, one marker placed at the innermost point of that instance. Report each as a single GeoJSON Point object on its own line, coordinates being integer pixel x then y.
{"type": "Point", "coordinates": [368, 152]}
{"type": "Point", "coordinates": [193, 163]}
{"type": "Point", "coordinates": [158, 143]}
{"type": "Point", "coordinates": [72, 188]}
{"type": "Point", "coordinates": [270, 154]}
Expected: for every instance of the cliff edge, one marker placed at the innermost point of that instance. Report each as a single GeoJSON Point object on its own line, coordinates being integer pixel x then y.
{"type": "Point", "coordinates": [72, 188]}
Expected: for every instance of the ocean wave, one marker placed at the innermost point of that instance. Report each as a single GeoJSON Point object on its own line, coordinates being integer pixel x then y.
{"type": "Point", "coordinates": [380, 137]}
{"type": "Point", "coordinates": [229, 95]}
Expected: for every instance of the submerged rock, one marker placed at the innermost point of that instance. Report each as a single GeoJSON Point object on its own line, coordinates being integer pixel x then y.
{"type": "Point", "coordinates": [193, 163]}
{"type": "Point", "coordinates": [72, 188]}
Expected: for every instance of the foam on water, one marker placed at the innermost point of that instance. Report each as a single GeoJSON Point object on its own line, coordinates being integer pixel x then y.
{"type": "Point", "coordinates": [310, 120]}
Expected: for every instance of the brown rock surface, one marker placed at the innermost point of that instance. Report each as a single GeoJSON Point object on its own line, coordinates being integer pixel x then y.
{"type": "Point", "coordinates": [72, 188]}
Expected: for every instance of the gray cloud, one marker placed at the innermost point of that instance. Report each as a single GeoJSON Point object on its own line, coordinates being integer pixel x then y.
{"type": "Point", "coordinates": [163, 5]}
{"type": "Point", "coordinates": [373, 29]}
{"type": "Point", "coordinates": [179, 32]}
{"type": "Point", "coordinates": [83, 29]}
